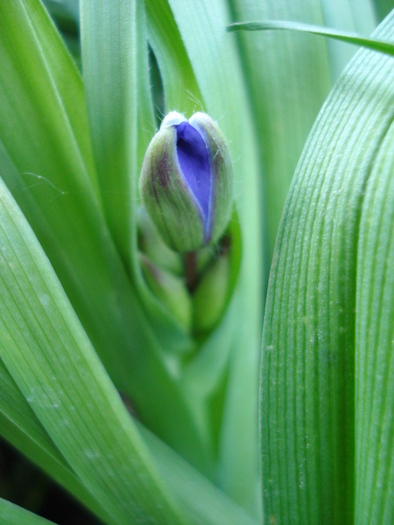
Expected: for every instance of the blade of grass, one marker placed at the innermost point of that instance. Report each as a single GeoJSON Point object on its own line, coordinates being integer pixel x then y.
{"type": "Point", "coordinates": [114, 56]}
{"type": "Point", "coordinates": [51, 360]}
{"type": "Point", "coordinates": [346, 15]}
{"type": "Point", "coordinates": [201, 501]}
{"type": "Point", "coordinates": [180, 85]}
{"type": "Point", "coordinates": [374, 472]}
{"type": "Point", "coordinates": [358, 40]}
{"type": "Point", "coordinates": [307, 405]}
{"type": "Point", "coordinates": [218, 73]}
{"type": "Point", "coordinates": [20, 426]}
{"type": "Point", "coordinates": [45, 159]}
{"type": "Point", "coordinates": [11, 514]}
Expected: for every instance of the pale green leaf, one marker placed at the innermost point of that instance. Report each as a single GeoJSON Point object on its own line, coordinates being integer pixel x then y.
{"type": "Point", "coordinates": [215, 61]}
{"type": "Point", "coordinates": [51, 360]}
{"type": "Point", "coordinates": [357, 40]}
{"type": "Point", "coordinates": [114, 56]}
{"type": "Point", "coordinates": [374, 491]}
{"type": "Point", "coordinates": [46, 160]}
{"type": "Point", "coordinates": [309, 421]}
{"type": "Point", "coordinates": [289, 76]}
{"type": "Point", "coordinates": [11, 514]}
{"type": "Point", "coordinates": [346, 15]}
{"type": "Point", "coordinates": [181, 91]}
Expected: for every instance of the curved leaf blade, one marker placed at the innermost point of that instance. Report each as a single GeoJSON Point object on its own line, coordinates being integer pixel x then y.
{"type": "Point", "coordinates": [308, 413]}
{"type": "Point", "coordinates": [45, 159]}
{"type": "Point", "coordinates": [11, 514]}
{"type": "Point", "coordinates": [218, 73]}
{"type": "Point", "coordinates": [357, 40]}
{"type": "Point", "coordinates": [50, 358]}
{"type": "Point", "coordinates": [181, 91]}
{"type": "Point", "coordinates": [19, 425]}
{"type": "Point", "coordinates": [374, 345]}
{"type": "Point", "coordinates": [115, 65]}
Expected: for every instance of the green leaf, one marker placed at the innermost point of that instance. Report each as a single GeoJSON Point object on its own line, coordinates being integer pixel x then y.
{"type": "Point", "coordinates": [217, 68]}
{"type": "Point", "coordinates": [11, 514]}
{"type": "Point", "coordinates": [369, 43]}
{"type": "Point", "coordinates": [383, 7]}
{"type": "Point", "coordinates": [374, 474]}
{"type": "Point", "coordinates": [114, 56]}
{"type": "Point", "coordinates": [180, 85]}
{"type": "Point", "coordinates": [45, 158]}
{"type": "Point", "coordinates": [289, 76]}
{"type": "Point", "coordinates": [202, 502]}
{"type": "Point", "coordinates": [310, 424]}
{"type": "Point", "coordinates": [20, 426]}
{"type": "Point", "coordinates": [51, 360]}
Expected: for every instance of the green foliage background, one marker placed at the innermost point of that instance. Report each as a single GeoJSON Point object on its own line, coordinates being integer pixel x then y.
{"type": "Point", "coordinates": [82, 336]}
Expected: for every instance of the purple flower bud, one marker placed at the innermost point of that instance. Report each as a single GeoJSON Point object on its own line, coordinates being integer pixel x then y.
{"type": "Point", "coordinates": [186, 181]}
{"type": "Point", "coordinates": [193, 159]}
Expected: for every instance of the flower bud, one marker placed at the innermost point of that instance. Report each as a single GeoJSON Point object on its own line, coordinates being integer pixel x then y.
{"type": "Point", "coordinates": [186, 181]}
{"type": "Point", "coordinates": [169, 290]}
{"type": "Point", "coordinates": [211, 295]}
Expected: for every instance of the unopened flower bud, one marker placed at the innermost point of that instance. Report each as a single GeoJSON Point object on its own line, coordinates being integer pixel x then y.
{"type": "Point", "coordinates": [169, 290]}
{"type": "Point", "coordinates": [211, 295]}
{"type": "Point", "coordinates": [186, 181]}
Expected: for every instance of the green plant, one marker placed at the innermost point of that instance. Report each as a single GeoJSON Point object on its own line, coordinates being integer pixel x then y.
{"type": "Point", "coordinates": [141, 416]}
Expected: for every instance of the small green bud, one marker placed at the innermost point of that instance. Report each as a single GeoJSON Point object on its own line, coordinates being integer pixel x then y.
{"type": "Point", "coordinates": [211, 295]}
{"type": "Point", "coordinates": [152, 245]}
{"type": "Point", "coordinates": [186, 181]}
{"type": "Point", "coordinates": [170, 291]}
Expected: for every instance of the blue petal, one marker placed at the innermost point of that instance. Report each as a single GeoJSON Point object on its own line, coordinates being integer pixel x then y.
{"type": "Point", "coordinates": [193, 157]}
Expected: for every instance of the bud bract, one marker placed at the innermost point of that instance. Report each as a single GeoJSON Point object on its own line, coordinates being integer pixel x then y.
{"type": "Point", "coordinates": [186, 181]}
{"type": "Point", "coordinates": [170, 290]}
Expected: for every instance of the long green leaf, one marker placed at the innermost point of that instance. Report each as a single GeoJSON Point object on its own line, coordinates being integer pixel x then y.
{"type": "Point", "coordinates": [308, 412]}
{"type": "Point", "coordinates": [45, 158]}
{"type": "Point", "coordinates": [374, 470]}
{"type": "Point", "coordinates": [50, 358]}
{"type": "Point", "coordinates": [181, 91]}
{"type": "Point", "coordinates": [202, 502]}
{"type": "Point", "coordinates": [113, 50]}
{"type": "Point", "coordinates": [11, 514]}
{"type": "Point", "coordinates": [218, 72]}
{"type": "Point", "coordinates": [20, 426]}
{"type": "Point", "coordinates": [357, 40]}
{"type": "Point", "coordinates": [289, 76]}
